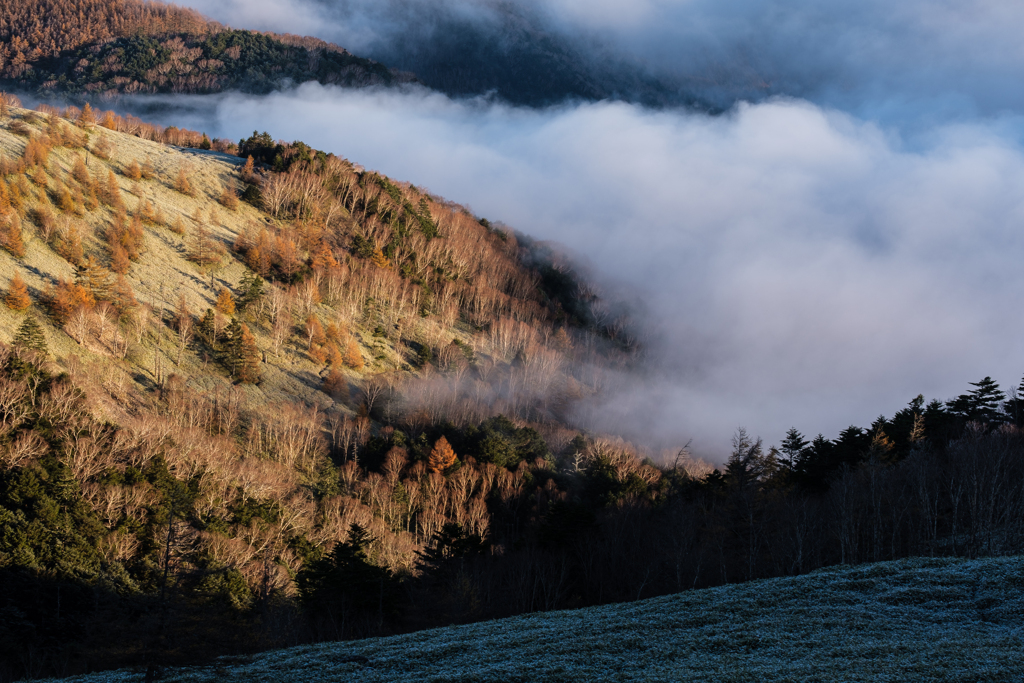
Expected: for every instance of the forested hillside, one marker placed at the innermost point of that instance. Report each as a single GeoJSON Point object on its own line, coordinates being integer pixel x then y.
{"type": "Point", "coordinates": [101, 48]}
{"type": "Point", "coordinates": [254, 395]}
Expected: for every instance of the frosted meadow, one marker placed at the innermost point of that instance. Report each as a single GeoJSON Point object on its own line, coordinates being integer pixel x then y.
{"type": "Point", "coordinates": [910, 620]}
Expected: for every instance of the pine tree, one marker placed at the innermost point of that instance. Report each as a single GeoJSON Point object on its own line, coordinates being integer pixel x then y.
{"type": "Point", "coordinates": [792, 448]}
{"type": "Point", "coordinates": [252, 291]}
{"type": "Point", "coordinates": [225, 302]}
{"type": "Point", "coordinates": [981, 404]}
{"type": "Point", "coordinates": [30, 335]}
{"type": "Point", "coordinates": [442, 456]}
{"type": "Point", "coordinates": [17, 297]}
{"type": "Point", "coordinates": [208, 328]}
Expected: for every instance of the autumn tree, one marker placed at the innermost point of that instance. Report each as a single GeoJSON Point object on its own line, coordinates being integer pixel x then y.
{"type": "Point", "coordinates": [134, 171]}
{"type": "Point", "coordinates": [334, 383]}
{"type": "Point", "coordinates": [314, 332]}
{"type": "Point", "coordinates": [10, 234]}
{"type": "Point", "coordinates": [353, 356]}
{"type": "Point", "coordinates": [247, 356]}
{"type": "Point", "coordinates": [17, 296]}
{"type": "Point", "coordinates": [87, 118]}
{"type": "Point", "coordinates": [225, 302]}
{"type": "Point", "coordinates": [229, 198]}
{"type": "Point", "coordinates": [112, 194]}
{"type": "Point", "coordinates": [119, 261]}
{"type": "Point", "coordinates": [94, 278]}
{"type": "Point", "coordinates": [442, 456]}
{"type": "Point", "coordinates": [182, 184]}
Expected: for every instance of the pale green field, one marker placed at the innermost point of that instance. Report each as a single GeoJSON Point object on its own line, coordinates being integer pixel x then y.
{"type": "Point", "coordinates": [911, 620]}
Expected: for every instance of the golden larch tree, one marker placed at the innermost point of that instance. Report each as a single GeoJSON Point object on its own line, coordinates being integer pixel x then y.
{"type": "Point", "coordinates": [442, 456]}
{"type": "Point", "coordinates": [353, 356]}
{"type": "Point", "coordinates": [225, 302]}
{"type": "Point", "coordinates": [17, 296]}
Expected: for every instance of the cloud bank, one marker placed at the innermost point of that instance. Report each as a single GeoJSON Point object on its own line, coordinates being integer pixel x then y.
{"type": "Point", "coordinates": [797, 266]}
{"type": "Point", "coordinates": [913, 60]}
{"type": "Point", "coordinates": [845, 237]}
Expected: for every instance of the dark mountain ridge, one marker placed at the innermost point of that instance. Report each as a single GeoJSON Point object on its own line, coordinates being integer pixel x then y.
{"type": "Point", "coordinates": [105, 48]}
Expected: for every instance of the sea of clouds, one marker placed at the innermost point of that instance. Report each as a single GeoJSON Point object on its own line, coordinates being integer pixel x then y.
{"type": "Point", "coordinates": [824, 251]}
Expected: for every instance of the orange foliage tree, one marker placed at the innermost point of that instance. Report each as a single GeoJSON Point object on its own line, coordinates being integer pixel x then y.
{"type": "Point", "coordinates": [17, 296]}
{"type": "Point", "coordinates": [442, 456]}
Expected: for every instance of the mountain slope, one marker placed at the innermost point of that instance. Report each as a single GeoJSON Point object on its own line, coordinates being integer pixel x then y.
{"type": "Point", "coordinates": [915, 619]}
{"type": "Point", "coordinates": [108, 47]}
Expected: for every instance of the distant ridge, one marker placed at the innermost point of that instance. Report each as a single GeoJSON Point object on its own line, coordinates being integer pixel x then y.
{"type": "Point", "coordinates": [105, 48]}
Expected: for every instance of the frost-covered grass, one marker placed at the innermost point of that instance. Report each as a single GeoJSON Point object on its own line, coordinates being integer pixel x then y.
{"type": "Point", "coordinates": [911, 620]}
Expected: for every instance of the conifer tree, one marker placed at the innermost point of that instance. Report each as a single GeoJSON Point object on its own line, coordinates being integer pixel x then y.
{"type": "Point", "coordinates": [134, 171]}
{"type": "Point", "coordinates": [17, 296]}
{"type": "Point", "coordinates": [208, 328]}
{"type": "Point", "coordinates": [87, 118]}
{"type": "Point", "coordinates": [334, 383]}
{"type": "Point", "coordinates": [95, 278]}
{"type": "Point", "coordinates": [10, 234]}
{"type": "Point", "coordinates": [225, 302]}
{"type": "Point", "coordinates": [442, 456]}
{"type": "Point", "coordinates": [181, 183]}
{"type": "Point", "coordinates": [30, 335]}
{"type": "Point", "coordinates": [119, 261]}
{"type": "Point", "coordinates": [249, 357]}
{"type": "Point", "coordinates": [113, 190]}
{"type": "Point", "coordinates": [122, 296]}
{"type": "Point", "coordinates": [353, 356]}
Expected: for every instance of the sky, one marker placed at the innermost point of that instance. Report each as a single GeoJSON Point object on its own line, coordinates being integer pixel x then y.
{"type": "Point", "coordinates": [825, 250]}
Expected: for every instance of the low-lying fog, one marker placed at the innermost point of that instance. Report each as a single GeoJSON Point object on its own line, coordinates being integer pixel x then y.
{"type": "Point", "coordinates": [795, 262]}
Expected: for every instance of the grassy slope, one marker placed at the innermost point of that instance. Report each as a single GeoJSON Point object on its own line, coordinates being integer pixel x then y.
{"type": "Point", "coordinates": [163, 272]}
{"type": "Point", "coordinates": [910, 620]}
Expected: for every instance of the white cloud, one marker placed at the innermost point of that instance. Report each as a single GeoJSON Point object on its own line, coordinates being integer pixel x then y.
{"type": "Point", "coordinates": [800, 267]}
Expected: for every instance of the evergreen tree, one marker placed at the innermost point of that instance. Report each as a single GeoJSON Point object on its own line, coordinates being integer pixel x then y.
{"type": "Point", "coordinates": [792, 448]}
{"type": "Point", "coordinates": [30, 335]}
{"type": "Point", "coordinates": [346, 591]}
{"type": "Point", "coordinates": [1015, 405]}
{"type": "Point", "coordinates": [252, 291]}
{"type": "Point", "coordinates": [981, 404]}
{"type": "Point", "coordinates": [208, 328]}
